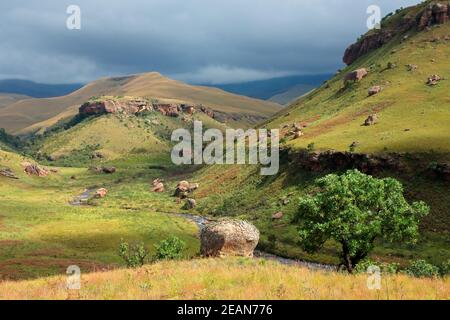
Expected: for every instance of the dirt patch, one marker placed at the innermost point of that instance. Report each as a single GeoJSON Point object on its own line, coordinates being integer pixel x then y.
{"type": "Point", "coordinates": [8, 243]}
{"type": "Point", "coordinates": [327, 125]}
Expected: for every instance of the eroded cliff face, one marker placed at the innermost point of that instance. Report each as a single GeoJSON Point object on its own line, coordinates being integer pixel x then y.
{"type": "Point", "coordinates": [435, 13]}
{"type": "Point", "coordinates": [137, 105]}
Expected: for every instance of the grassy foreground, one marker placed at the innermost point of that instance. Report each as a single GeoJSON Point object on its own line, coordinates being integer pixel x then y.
{"type": "Point", "coordinates": [233, 278]}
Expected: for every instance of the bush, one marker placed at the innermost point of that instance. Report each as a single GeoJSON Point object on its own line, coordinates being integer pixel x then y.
{"type": "Point", "coordinates": [445, 268]}
{"type": "Point", "coordinates": [422, 269]}
{"type": "Point", "coordinates": [133, 255]}
{"type": "Point", "coordinates": [170, 249]}
{"type": "Point", "coordinates": [386, 268]}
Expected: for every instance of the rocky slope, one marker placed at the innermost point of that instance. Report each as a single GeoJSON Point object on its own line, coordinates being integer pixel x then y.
{"type": "Point", "coordinates": [411, 20]}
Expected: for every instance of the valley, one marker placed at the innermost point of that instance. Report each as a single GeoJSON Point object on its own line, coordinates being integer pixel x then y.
{"type": "Point", "coordinates": [87, 179]}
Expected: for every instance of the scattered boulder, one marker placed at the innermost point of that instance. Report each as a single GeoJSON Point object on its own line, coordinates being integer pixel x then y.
{"type": "Point", "coordinates": [374, 90]}
{"type": "Point", "coordinates": [7, 172]}
{"type": "Point", "coordinates": [34, 169]}
{"type": "Point", "coordinates": [356, 75]}
{"type": "Point", "coordinates": [277, 216]}
{"type": "Point", "coordinates": [433, 80]}
{"type": "Point", "coordinates": [184, 188]}
{"type": "Point", "coordinates": [371, 120]}
{"type": "Point", "coordinates": [228, 238]}
{"type": "Point", "coordinates": [158, 186]}
{"type": "Point", "coordinates": [191, 203]}
{"type": "Point", "coordinates": [96, 169]}
{"type": "Point", "coordinates": [101, 193]}
{"type": "Point", "coordinates": [97, 155]}
{"type": "Point", "coordinates": [109, 170]}
{"type": "Point", "coordinates": [412, 67]}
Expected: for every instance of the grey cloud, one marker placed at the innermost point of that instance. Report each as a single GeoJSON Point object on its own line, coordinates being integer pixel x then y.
{"type": "Point", "coordinates": [193, 40]}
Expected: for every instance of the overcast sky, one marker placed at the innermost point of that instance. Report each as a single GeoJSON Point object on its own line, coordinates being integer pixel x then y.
{"type": "Point", "coordinates": [200, 41]}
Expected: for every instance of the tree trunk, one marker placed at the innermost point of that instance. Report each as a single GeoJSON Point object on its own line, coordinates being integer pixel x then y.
{"type": "Point", "coordinates": [346, 257]}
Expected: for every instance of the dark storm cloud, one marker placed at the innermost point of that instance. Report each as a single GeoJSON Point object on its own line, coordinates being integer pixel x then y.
{"type": "Point", "coordinates": [193, 40]}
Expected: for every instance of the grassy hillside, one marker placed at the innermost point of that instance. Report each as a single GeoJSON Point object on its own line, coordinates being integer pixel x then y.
{"type": "Point", "coordinates": [9, 98]}
{"type": "Point", "coordinates": [32, 114]}
{"type": "Point", "coordinates": [229, 279]}
{"type": "Point", "coordinates": [413, 117]}
{"type": "Point", "coordinates": [114, 136]}
{"type": "Point", "coordinates": [41, 233]}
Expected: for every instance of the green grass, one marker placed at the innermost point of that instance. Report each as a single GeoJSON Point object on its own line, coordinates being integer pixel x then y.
{"type": "Point", "coordinates": [42, 234]}
{"type": "Point", "coordinates": [240, 191]}
{"type": "Point", "coordinates": [335, 115]}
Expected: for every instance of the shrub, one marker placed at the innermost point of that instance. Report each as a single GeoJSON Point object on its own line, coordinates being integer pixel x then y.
{"type": "Point", "coordinates": [445, 268]}
{"type": "Point", "coordinates": [133, 255]}
{"type": "Point", "coordinates": [311, 147]}
{"type": "Point", "coordinates": [170, 249]}
{"type": "Point", "coordinates": [422, 269]}
{"type": "Point", "coordinates": [386, 268]}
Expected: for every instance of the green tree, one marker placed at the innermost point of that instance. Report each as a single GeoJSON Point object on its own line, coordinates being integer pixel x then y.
{"type": "Point", "coordinates": [355, 209]}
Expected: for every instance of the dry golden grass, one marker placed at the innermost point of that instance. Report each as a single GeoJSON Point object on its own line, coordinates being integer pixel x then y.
{"type": "Point", "coordinates": [236, 279]}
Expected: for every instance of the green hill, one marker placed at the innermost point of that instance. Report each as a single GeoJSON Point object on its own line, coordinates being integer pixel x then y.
{"type": "Point", "coordinates": [413, 125]}
{"type": "Point", "coordinates": [413, 116]}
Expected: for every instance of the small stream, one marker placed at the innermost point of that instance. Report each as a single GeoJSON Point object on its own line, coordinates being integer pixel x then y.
{"type": "Point", "coordinates": [83, 198]}
{"type": "Point", "coordinates": [202, 221]}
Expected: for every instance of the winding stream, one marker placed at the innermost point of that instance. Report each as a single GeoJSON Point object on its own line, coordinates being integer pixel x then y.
{"type": "Point", "coordinates": [202, 221]}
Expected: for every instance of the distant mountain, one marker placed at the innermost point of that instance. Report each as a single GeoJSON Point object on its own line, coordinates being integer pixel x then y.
{"type": "Point", "coordinates": [37, 90]}
{"type": "Point", "coordinates": [31, 115]}
{"type": "Point", "coordinates": [292, 94]}
{"type": "Point", "coordinates": [266, 89]}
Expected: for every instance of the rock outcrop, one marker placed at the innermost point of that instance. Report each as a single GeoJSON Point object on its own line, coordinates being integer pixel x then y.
{"type": "Point", "coordinates": [437, 13]}
{"type": "Point", "coordinates": [338, 161]}
{"type": "Point", "coordinates": [168, 110]}
{"type": "Point", "coordinates": [228, 238]}
{"type": "Point", "coordinates": [115, 106]}
{"type": "Point", "coordinates": [441, 171]}
{"type": "Point", "coordinates": [433, 14]}
{"type": "Point", "coordinates": [136, 106]}
{"type": "Point", "coordinates": [365, 45]}
{"type": "Point", "coordinates": [34, 169]}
